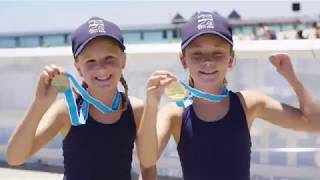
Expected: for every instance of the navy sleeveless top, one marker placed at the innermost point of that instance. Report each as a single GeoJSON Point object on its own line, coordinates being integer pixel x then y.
{"type": "Point", "coordinates": [217, 150]}
{"type": "Point", "coordinates": [97, 151]}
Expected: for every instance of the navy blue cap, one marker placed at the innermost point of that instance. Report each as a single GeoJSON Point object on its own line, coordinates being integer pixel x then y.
{"type": "Point", "coordinates": [94, 27]}
{"type": "Point", "coordinates": [205, 23]}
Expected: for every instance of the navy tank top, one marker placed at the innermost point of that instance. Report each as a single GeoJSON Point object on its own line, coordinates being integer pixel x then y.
{"type": "Point", "coordinates": [217, 150]}
{"type": "Point", "coordinates": [97, 151]}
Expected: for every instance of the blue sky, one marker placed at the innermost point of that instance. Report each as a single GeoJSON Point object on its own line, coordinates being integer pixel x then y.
{"type": "Point", "coordinates": [21, 16]}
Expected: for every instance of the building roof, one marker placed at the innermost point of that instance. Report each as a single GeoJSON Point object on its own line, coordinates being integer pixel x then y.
{"type": "Point", "coordinates": [234, 15]}
{"type": "Point", "coordinates": [178, 19]}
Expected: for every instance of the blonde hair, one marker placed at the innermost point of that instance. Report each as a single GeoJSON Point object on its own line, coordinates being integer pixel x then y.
{"type": "Point", "coordinates": [126, 89]}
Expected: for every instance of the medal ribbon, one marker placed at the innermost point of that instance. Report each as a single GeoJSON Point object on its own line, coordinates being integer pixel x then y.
{"type": "Point", "coordinates": [79, 117]}
{"type": "Point", "coordinates": [195, 93]}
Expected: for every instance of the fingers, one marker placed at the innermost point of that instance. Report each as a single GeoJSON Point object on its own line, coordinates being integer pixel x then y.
{"type": "Point", "coordinates": [45, 77]}
{"type": "Point", "coordinates": [164, 72]}
{"type": "Point", "coordinates": [157, 80]}
{"type": "Point", "coordinates": [166, 82]}
{"type": "Point", "coordinates": [276, 59]}
{"type": "Point", "coordinates": [58, 68]}
{"type": "Point", "coordinates": [278, 56]}
{"type": "Point", "coordinates": [282, 63]}
{"type": "Point", "coordinates": [53, 70]}
{"type": "Point", "coordinates": [160, 78]}
{"type": "Point", "coordinates": [49, 72]}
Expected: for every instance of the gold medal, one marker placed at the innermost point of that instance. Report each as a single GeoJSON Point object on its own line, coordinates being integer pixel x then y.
{"type": "Point", "coordinates": [175, 91]}
{"type": "Point", "coordinates": [60, 83]}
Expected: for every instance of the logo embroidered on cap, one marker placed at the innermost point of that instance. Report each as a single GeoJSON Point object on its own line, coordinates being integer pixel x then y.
{"type": "Point", "coordinates": [95, 26]}
{"type": "Point", "coordinates": [205, 21]}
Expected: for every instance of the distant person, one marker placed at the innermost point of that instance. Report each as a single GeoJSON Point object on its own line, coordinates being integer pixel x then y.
{"type": "Point", "coordinates": [211, 126]}
{"type": "Point", "coordinates": [266, 33]}
{"type": "Point", "coordinates": [300, 35]}
{"type": "Point", "coordinates": [101, 148]}
{"type": "Point", "coordinates": [316, 27]}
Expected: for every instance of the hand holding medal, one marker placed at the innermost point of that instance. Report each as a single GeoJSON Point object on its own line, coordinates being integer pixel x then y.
{"type": "Point", "coordinates": [183, 94]}
{"type": "Point", "coordinates": [45, 92]}
{"type": "Point", "coordinates": [178, 91]}
{"type": "Point", "coordinates": [60, 83]}
{"type": "Point", "coordinates": [175, 92]}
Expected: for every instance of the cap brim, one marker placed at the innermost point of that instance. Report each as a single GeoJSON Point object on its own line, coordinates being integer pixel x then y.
{"type": "Point", "coordinates": [93, 37]}
{"type": "Point", "coordinates": [186, 43]}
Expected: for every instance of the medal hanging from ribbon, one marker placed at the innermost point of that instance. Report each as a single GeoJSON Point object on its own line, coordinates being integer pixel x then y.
{"type": "Point", "coordinates": [79, 115]}
{"type": "Point", "coordinates": [184, 95]}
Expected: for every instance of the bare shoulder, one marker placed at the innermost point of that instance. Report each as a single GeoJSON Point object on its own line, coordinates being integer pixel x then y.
{"type": "Point", "coordinates": [253, 98]}
{"type": "Point", "coordinates": [172, 113]}
{"type": "Point", "coordinates": [249, 98]}
{"type": "Point", "coordinates": [136, 103]}
{"type": "Point", "coordinates": [250, 101]}
{"type": "Point", "coordinates": [172, 110]}
{"type": "Point", "coordinates": [171, 119]}
{"type": "Point", "coordinates": [137, 108]}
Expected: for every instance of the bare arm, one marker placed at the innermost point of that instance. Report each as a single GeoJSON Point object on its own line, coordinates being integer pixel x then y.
{"type": "Point", "coordinates": [305, 118]}
{"type": "Point", "coordinates": [146, 173]}
{"type": "Point", "coordinates": [148, 136]}
{"type": "Point", "coordinates": [149, 173]}
{"type": "Point", "coordinates": [41, 123]}
{"type": "Point", "coordinates": [168, 124]}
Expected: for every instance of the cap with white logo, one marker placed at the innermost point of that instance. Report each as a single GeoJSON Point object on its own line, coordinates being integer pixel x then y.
{"type": "Point", "coordinates": [205, 23]}
{"type": "Point", "coordinates": [94, 27]}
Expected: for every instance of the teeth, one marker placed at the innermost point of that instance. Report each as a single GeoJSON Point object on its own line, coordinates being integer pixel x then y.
{"type": "Point", "coordinates": [209, 72]}
{"type": "Point", "coordinates": [103, 78]}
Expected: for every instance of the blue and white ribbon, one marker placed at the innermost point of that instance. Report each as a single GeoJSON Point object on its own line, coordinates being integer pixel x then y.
{"type": "Point", "coordinates": [79, 117]}
{"type": "Point", "coordinates": [195, 93]}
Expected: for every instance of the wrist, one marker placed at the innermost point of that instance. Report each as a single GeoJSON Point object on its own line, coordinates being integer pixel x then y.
{"type": "Point", "coordinates": [40, 104]}
{"type": "Point", "coordinates": [153, 102]}
{"type": "Point", "coordinates": [295, 84]}
{"type": "Point", "coordinates": [292, 79]}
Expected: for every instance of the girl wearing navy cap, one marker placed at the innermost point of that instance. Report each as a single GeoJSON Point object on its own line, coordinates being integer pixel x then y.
{"type": "Point", "coordinates": [100, 148]}
{"type": "Point", "coordinates": [213, 132]}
